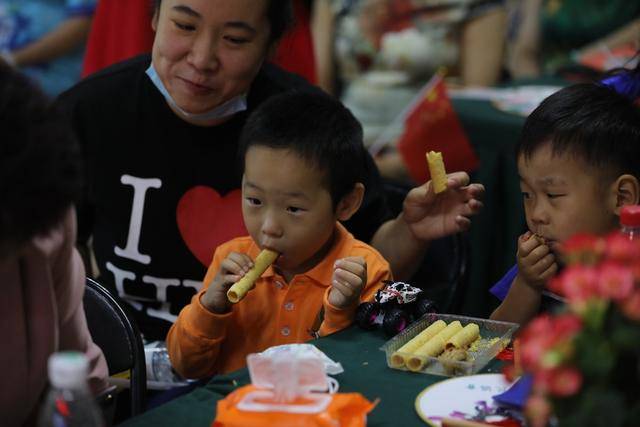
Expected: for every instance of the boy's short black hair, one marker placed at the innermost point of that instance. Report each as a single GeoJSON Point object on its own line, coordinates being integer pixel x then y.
{"type": "Point", "coordinates": [318, 128]}
{"type": "Point", "coordinates": [590, 121]}
{"type": "Point", "coordinates": [39, 161]}
{"type": "Point", "coordinates": [279, 13]}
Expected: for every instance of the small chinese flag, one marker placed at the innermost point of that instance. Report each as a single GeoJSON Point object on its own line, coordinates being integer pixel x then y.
{"type": "Point", "coordinates": [432, 125]}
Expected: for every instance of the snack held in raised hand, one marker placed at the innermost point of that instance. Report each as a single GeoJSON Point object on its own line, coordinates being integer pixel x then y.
{"type": "Point", "coordinates": [239, 289]}
{"type": "Point", "coordinates": [398, 359]}
{"type": "Point", "coordinates": [437, 171]}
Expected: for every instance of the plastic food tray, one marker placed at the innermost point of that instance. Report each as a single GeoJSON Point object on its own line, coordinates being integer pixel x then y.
{"type": "Point", "coordinates": [494, 337]}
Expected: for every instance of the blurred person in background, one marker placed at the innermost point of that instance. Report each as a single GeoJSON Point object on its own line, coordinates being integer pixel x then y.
{"type": "Point", "coordinates": [45, 39]}
{"type": "Point", "coordinates": [41, 274]}
{"type": "Point", "coordinates": [354, 37]}
{"type": "Point", "coordinates": [551, 35]}
{"type": "Point", "coordinates": [376, 55]}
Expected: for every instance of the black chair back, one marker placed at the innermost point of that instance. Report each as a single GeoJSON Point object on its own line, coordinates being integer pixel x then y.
{"type": "Point", "coordinates": [119, 338]}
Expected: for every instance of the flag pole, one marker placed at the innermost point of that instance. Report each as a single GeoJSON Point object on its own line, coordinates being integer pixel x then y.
{"type": "Point", "coordinates": [383, 138]}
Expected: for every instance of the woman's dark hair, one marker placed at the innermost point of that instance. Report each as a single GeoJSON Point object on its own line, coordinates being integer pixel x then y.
{"type": "Point", "coordinates": [279, 14]}
{"type": "Point", "coordinates": [316, 127]}
{"type": "Point", "coordinates": [40, 174]}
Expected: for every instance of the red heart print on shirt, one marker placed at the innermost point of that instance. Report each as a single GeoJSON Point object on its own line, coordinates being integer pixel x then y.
{"type": "Point", "coordinates": [206, 219]}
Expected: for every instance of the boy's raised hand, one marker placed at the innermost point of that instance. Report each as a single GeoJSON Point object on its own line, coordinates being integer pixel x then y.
{"type": "Point", "coordinates": [232, 268]}
{"type": "Point", "coordinates": [431, 216]}
{"type": "Point", "coordinates": [536, 262]}
{"type": "Point", "coordinates": [349, 278]}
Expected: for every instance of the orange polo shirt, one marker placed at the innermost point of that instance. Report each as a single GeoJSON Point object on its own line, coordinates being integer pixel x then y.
{"type": "Point", "coordinates": [202, 343]}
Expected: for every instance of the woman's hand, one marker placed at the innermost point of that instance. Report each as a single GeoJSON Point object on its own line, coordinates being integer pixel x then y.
{"type": "Point", "coordinates": [59, 42]}
{"type": "Point", "coordinates": [431, 216]}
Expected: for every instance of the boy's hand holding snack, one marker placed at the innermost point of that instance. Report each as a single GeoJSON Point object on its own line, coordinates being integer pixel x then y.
{"type": "Point", "coordinates": [536, 262]}
{"type": "Point", "coordinates": [232, 269]}
{"type": "Point", "coordinates": [349, 278]}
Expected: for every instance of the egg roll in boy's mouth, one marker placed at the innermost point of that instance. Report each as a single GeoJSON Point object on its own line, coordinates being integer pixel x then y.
{"type": "Point", "coordinates": [239, 289]}
{"type": "Point", "coordinates": [540, 239]}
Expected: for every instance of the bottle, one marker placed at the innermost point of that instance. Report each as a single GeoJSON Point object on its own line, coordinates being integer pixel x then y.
{"type": "Point", "coordinates": [630, 221]}
{"type": "Point", "coordinates": [69, 402]}
{"type": "Point", "coordinates": [159, 367]}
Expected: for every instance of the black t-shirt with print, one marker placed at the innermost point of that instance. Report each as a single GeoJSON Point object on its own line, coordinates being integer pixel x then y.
{"type": "Point", "coordinates": [162, 193]}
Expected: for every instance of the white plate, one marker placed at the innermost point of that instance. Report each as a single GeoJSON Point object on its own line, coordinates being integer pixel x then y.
{"type": "Point", "coordinates": [461, 395]}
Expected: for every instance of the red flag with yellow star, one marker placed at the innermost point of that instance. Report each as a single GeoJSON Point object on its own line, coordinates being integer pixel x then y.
{"type": "Point", "coordinates": [432, 124]}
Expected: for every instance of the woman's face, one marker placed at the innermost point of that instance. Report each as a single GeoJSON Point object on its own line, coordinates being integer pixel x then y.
{"type": "Point", "coordinates": [209, 51]}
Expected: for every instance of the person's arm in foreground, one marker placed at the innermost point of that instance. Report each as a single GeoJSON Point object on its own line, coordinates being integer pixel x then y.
{"type": "Point", "coordinates": [70, 280]}
{"type": "Point", "coordinates": [427, 216]}
{"type": "Point", "coordinates": [536, 265]}
{"type": "Point", "coordinates": [63, 39]}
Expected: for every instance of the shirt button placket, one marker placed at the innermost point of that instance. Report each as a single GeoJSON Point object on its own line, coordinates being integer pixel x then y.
{"type": "Point", "coordinates": [285, 331]}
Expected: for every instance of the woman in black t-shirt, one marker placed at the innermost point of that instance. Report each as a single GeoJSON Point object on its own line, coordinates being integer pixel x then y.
{"type": "Point", "coordinates": [160, 137]}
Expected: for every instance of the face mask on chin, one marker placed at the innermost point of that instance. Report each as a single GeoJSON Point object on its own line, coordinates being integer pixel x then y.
{"type": "Point", "coordinates": [227, 109]}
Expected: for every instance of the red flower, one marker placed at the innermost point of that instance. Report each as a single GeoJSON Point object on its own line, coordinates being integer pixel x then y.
{"type": "Point", "coordinates": [616, 281]}
{"type": "Point", "coordinates": [533, 351]}
{"type": "Point", "coordinates": [546, 341]}
{"type": "Point", "coordinates": [535, 341]}
{"type": "Point", "coordinates": [564, 381]}
{"type": "Point", "coordinates": [631, 306]}
{"type": "Point", "coordinates": [538, 326]}
{"type": "Point", "coordinates": [620, 248]}
{"type": "Point", "coordinates": [602, 275]}
{"type": "Point", "coordinates": [538, 411]}
{"type": "Point", "coordinates": [583, 249]}
{"type": "Point", "coordinates": [576, 283]}
{"type": "Point", "coordinates": [566, 325]}
{"type": "Point", "coordinates": [635, 271]}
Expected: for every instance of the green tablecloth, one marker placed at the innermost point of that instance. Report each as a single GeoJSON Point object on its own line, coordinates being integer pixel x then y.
{"type": "Point", "coordinates": [365, 372]}
{"type": "Point", "coordinates": [494, 232]}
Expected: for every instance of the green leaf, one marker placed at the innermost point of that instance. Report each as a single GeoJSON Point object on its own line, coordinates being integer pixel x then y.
{"type": "Point", "coordinates": [633, 415]}
{"type": "Point", "coordinates": [594, 407]}
{"type": "Point", "coordinates": [594, 356]}
{"type": "Point", "coordinates": [626, 336]}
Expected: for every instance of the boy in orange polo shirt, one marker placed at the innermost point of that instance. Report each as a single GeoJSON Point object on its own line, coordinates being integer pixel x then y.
{"type": "Point", "coordinates": [303, 158]}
